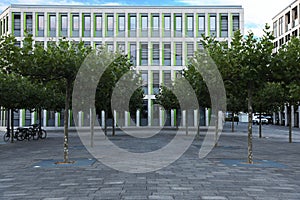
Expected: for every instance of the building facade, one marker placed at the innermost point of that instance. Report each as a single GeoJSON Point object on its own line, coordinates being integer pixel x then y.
{"type": "Point", "coordinates": [159, 40]}
{"type": "Point", "coordinates": [286, 25]}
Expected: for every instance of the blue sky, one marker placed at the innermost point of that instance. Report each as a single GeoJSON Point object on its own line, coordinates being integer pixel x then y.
{"type": "Point", "coordinates": [257, 12]}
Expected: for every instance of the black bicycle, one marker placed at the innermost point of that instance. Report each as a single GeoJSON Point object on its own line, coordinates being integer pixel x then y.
{"type": "Point", "coordinates": [19, 134]}
{"type": "Point", "coordinates": [36, 132]}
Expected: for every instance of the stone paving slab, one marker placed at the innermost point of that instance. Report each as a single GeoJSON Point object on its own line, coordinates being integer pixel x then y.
{"type": "Point", "coordinates": [187, 178]}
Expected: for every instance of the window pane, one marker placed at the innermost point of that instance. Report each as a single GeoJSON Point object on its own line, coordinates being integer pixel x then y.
{"type": "Point", "coordinates": [201, 22]}
{"type": "Point", "coordinates": [144, 22]}
{"type": "Point", "coordinates": [190, 23]}
{"type": "Point", "coordinates": [121, 23]}
{"type": "Point", "coordinates": [87, 23]}
{"type": "Point", "coordinates": [213, 23]}
{"type": "Point", "coordinates": [155, 23]}
{"type": "Point", "coordinates": [64, 22]}
{"type": "Point", "coordinates": [132, 23]}
{"type": "Point", "coordinates": [41, 22]}
{"type": "Point", "coordinates": [75, 23]}
{"type": "Point", "coordinates": [144, 54]}
{"type": "Point", "coordinates": [178, 24]}
{"type": "Point", "coordinates": [110, 23]}
{"type": "Point", "coordinates": [167, 23]}
{"type": "Point", "coordinates": [52, 22]}
{"type": "Point", "coordinates": [98, 23]}
{"type": "Point", "coordinates": [155, 60]}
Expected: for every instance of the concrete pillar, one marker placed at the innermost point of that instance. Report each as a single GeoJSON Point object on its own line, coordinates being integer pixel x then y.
{"type": "Point", "coordinates": [172, 118]}
{"type": "Point", "coordinates": [21, 117]}
{"type": "Point", "coordinates": [206, 117]}
{"type": "Point", "coordinates": [56, 119]}
{"type": "Point", "coordinates": [292, 116]}
{"type": "Point", "coordinates": [44, 118]}
{"type": "Point", "coordinates": [195, 118]}
{"type": "Point", "coordinates": [103, 118]}
{"type": "Point", "coordinates": [285, 116]}
{"type": "Point", "coordinates": [149, 112]}
{"type": "Point", "coordinates": [126, 117]}
{"type": "Point", "coordinates": [274, 118]}
{"type": "Point", "coordinates": [79, 119]}
{"type": "Point", "coordinates": [161, 117]}
{"type": "Point", "coordinates": [220, 119]}
{"type": "Point", "coordinates": [32, 118]}
{"type": "Point", "coordinates": [115, 118]}
{"type": "Point", "coordinates": [138, 118]}
{"type": "Point", "coordinates": [183, 118]}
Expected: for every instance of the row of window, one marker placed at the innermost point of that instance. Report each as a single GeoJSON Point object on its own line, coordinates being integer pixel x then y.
{"type": "Point", "coordinates": [286, 22]}
{"type": "Point", "coordinates": [110, 25]}
{"type": "Point", "coordinates": [154, 54]}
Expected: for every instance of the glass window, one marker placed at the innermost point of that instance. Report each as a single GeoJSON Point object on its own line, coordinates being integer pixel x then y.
{"type": "Point", "coordinates": [40, 22]}
{"type": "Point", "coordinates": [87, 22]}
{"type": "Point", "coordinates": [213, 23]}
{"type": "Point", "coordinates": [75, 22]}
{"type": "Point", "coordinates": [132, 22]}
{"type": "Point", "coordinates": [167, 23]}
{"type": "Point", "coordinates": [52, 22]}
{"type": "Point", "coordinates": [236, 22]}
{"type": "Point", "coordinates": [190, 50]}
{"type": "Point", "coordinates": [167, 78]}
{"type": "Point", "coordinates": [133, 53]}
{"type": "Point", "coordinates": [224, 25]}
{"type": "Point", "coordinates": [64, 22]}
{"type": "Point", "coordinates": [155, 58]}
{"type": "Point", "coordinates": [144, 23]}
{"type": "Point", "coordinates": [201, 21]}
{"type": "Point", "coordinates": [98, 22]}
{"type": "Point", "coordinates": [29, 22]}
{"type": "Point", "coordinates": [275, 29]}
{"type": "Point", "coordinates": [190, 23]}
{"type": "Point", "coordinates": [121, 47]}
{"type": "Point", "coordinates": [17, 24]}
{"type": "Point", "coordinates": [155, 22]}
{"type": "Point", "coordinates": [178, 54]}
{"type": "Point", "coordinates": [178, 23]}
{"type": "Point", "coordinates": [145, 81]}
{"type": "Point", "coordinates": [122, 23]}
{"type": "Point", "coordinates": [167, 54]}
{"type": "Point", "coordinates": [110, 23]}
{"type": "Point", "coordinates": [144, 54]}
{"type": "Point", "coordinates": [110, 47]}
{"type": "Point", "coordinates": [155, 82]}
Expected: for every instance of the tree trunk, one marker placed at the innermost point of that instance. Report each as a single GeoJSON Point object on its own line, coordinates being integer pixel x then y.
{"type": "Point", "coordinates": [12, 125]}
{"type": "Point", "coordinates": [113, 124]}
{"type": "Point", "coordinates": [177, 123]}
{"type": "Point", "coordinates": [260, 135]}
{"type": "Point", "coordinates": [66, 122]}
{"type": "Point", "coordinates": [8, 121]}
{"type": "Point", "coordinates": [217, 128]}
{"type": "Point", "coordinates": [250, 110]}
{"type": "Point", "coordinates": [186, 123]}
{"type": "Point", "coordinates": [232, 121]}
{"type": "Point", "coordinates": [105, 122]}
{"type": "Point", "coordinates": [92, 117]}
{"type": "Point", "coordinates": [198, 127]}
{"type": "Point", "coordinates": [290, 122]}
{"type": "Point", "coordinates": [40, 118]}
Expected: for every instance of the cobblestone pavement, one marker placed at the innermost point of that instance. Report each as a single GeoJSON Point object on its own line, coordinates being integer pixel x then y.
{"type": "Point", "coordinates": [187, 178]}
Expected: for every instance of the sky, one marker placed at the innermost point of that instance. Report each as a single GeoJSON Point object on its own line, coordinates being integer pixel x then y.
{"type": "Point", "coordinates": [257, 12]}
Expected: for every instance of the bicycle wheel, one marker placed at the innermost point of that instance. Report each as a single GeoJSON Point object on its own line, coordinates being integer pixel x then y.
{"type": "Point", "coordinates": [6, 137]}
{"type": "Point", "coordinates": [20, 135]}
{"type": "Point", "coordinates": [35, 134]}
{"type": "Point", "coordinates": [42, 134]}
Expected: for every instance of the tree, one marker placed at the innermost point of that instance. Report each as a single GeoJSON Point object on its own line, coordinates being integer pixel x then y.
{"type": "Point", "coordinates": [286, 71]}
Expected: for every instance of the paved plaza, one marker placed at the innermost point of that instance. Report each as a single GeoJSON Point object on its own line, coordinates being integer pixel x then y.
{"type": "Point", "coordinates": [28, 172]}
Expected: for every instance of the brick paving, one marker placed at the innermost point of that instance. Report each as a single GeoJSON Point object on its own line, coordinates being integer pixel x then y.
{"type": "Point", "coordinates": [187, 178]}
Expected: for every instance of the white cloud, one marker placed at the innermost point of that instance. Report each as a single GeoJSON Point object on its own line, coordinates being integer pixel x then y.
{"type": "Point", "coordinates": [257, 12]}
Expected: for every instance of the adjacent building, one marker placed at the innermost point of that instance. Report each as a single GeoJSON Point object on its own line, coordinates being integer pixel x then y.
{"type": "Point", "coordinates": [159, 39]}
{"type": "Point", "coordinates": [286, 25]}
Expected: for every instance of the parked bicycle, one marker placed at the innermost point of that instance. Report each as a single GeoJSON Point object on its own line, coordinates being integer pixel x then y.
{"type": "Point", "coordinates": [37, 132]}
{"type": "Point", "coordinates": [19, 134]}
